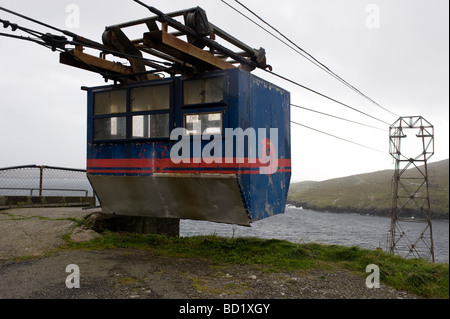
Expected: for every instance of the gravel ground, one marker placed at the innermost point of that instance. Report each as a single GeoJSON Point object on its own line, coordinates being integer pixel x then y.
{"type": "Point", "coordinates": [140, 274]}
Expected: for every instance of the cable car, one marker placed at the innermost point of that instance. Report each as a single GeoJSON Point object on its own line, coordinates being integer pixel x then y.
{"type": "Point", "coordinates": [213, 146]}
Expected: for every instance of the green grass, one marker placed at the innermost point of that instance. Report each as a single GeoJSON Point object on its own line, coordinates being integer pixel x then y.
{"type": "Point", "coordinates": [416, 276]}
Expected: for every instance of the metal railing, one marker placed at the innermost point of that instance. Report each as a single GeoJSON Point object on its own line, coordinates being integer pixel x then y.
{"type": "Point", "coordinates": [43, 189]}
{"type": "Point", "coordinates": [39, 185]}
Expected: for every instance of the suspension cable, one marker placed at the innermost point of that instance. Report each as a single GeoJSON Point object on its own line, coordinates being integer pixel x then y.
{"type": "Point", "coordinates": [302, 52]}
{"type": "Point", "coordinates": [325, 96]}
{"type": "Point", "coordinates": [340, 138]}
{"type": "Point", "coordinates": [337, 117]}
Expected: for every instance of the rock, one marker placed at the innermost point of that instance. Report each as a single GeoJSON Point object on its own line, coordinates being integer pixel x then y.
{"type": "Point", "coordinates": [80, 234]}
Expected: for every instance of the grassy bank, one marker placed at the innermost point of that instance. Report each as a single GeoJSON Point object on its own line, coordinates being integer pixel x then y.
{"type": "Point", "coordinates": [415, 276]}
{"type": "Point", "coordinates": [370, 193]}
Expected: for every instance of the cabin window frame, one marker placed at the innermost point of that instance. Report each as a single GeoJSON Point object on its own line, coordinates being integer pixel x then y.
{"type": "Point", "coordinates": [204, 79]}
{"type": "Point", "coordinates": [203, 112]}
{"type": "Point", "coordinates": [129, 115]}
{"type": "Point", "coordinates": [151, 113]}
{"type": "Point", "coordinates": [207, 107]}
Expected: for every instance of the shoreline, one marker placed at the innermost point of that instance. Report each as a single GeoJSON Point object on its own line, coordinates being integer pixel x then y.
{"type": "Point", "coordinates": [373, 211]}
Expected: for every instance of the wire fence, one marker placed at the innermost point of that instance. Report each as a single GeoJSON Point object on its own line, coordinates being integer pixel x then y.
{"type": "Point", "coordinates": [34, 185]}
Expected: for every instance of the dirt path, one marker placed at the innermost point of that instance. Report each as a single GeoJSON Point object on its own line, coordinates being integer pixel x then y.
{"type": "Point", "coordinates": [139, 274]}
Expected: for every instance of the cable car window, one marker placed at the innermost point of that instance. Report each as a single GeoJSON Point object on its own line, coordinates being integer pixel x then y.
{"type": "Point", "coordinates": [200, 91]}
{"type": "Point", "coordinates": [150, 98]}
{"type": "Point", "coordinates": [132, 113]}
{"type": "Point", "coordinates": [150, 126]}
{"type": "Point", "coordinates": [110, 102]}
{"type": "Point", "coordinates": [203, 123]}
{"type": "Point", "coordinates": [110, 128]}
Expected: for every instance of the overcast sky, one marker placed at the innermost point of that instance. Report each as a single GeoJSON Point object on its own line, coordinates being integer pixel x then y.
{"type": "Point", "coordinates": [394, 51]}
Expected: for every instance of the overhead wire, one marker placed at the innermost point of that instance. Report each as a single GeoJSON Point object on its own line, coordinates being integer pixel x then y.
{"type": "Point", "coordinates": [294, 82]}
{"type": "Point", "coordinates": [340, 138]}
{"type": "Point", "coordinates": [259, 25]}
{"type": "Point", "coordinates": [52, 41]}
{"type": "Point", "coordinates": [76, 37]}
{"type": "Point", "coordinates": [46, 40]}
{"type": "Point", "coordinates": [71, 34]}
{"type": "Point", "coordinates": [325, 96]}
{"type": "Point", "coordinates": [337, 117]}
{"type": "Point", "coordinates": [308, 56]}
{"type": "Point", "coordinates": [43, 43]}
{"type": "Point", "coordinates": [322, 66]}
{"type": "Point", "coordinates": [20, 37]}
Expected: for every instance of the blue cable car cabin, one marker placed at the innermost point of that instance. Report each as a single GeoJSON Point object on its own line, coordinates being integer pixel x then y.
{"type": "Point", "coordinates": [228, 162]}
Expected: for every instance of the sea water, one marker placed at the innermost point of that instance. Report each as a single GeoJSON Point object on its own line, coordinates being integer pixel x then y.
{"type": "Point", "coordinates": [304, 226]}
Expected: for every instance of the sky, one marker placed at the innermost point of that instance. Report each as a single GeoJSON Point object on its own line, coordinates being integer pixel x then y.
{"type": "Point", "coordinates": [394, 51]}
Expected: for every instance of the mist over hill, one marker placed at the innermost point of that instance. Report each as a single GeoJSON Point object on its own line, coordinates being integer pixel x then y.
{"type": "Point", "coordinates": [368, 193]}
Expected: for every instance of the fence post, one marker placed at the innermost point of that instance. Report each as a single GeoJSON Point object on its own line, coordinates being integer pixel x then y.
{"type": "Point", "coordinates": [41, 168]}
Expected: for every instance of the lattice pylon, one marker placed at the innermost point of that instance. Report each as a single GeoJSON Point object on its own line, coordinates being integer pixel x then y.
{"type": "Point", "coordinates": [410, 194]}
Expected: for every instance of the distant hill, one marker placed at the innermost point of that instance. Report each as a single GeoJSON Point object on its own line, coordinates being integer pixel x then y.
{"type": "Point", "coordinates": [368, 193]}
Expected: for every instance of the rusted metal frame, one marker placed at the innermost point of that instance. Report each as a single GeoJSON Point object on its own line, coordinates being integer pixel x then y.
{"type": "Point", "coordinates": [89, 43]}
{"type": "Point", "coordinates": [145, 61]}
{"type": "Point", "coordinates": [229, 38]}
{"type": "Point", "coordinates": [248, 64]}
{"type": "Point", "coordinates": [411, 196]}
{"type": "Point", "coordinates": [151, 19]}
{"type": "Point", "coordinates": [413, 245]}
{"type": "Point", "coordinates": [116, 39]}
{"type": "Point", "coordinates": [122, 48]}
{"type": "Point", "coordinates": [178, 67]}
{"type": "Point", "coordinates": [158, 54]}
{"type": "Point", "coordinates": [250, 55]}
{"type": "Point", "coordinates": [171, 70]}
{"type": "Point", "coordinates": [108, 50]}
{"type": "Point", "coordinates": [141, 40]}
{"type": "Point", "coordinates": [258, 56]}
{"type": "Point", "coordinates": [426, 180]}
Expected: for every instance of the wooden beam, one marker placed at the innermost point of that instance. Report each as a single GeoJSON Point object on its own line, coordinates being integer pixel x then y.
{"type": "Point", "coordinates": [167, 43]}
{"type": "Point", "coordinates": [77, 58]}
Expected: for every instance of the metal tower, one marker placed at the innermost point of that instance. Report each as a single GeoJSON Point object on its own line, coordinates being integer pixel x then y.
{"type": "Point", "coordinates": [411, 145]}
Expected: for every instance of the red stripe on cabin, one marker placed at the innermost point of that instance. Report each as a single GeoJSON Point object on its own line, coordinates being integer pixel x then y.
{"type": "Point", "coordinates": [157, 165]}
